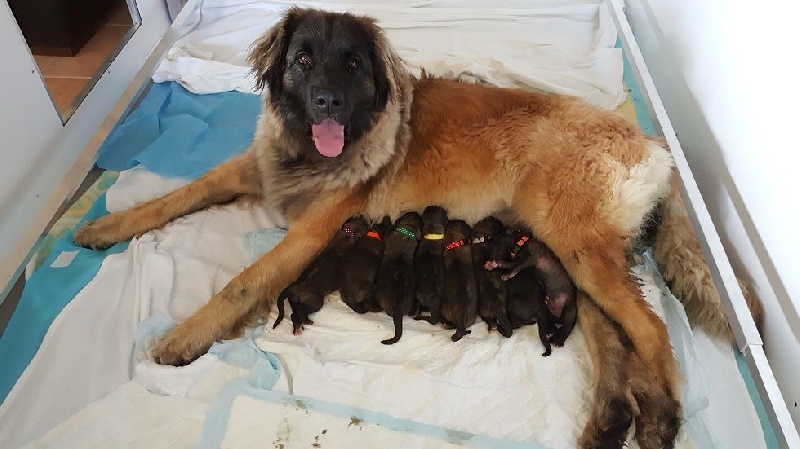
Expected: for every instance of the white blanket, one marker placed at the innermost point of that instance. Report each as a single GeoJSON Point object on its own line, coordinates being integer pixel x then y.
{"type": "Point", "coordinates": [487, 385]}
{"type": "Point", "coordinates": [565, 47]}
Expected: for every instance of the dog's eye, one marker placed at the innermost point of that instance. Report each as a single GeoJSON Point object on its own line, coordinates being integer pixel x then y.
{"type": "Point", "coordinates": [353, 63]}
{"type": "Point", "coordinates": [304, 59]}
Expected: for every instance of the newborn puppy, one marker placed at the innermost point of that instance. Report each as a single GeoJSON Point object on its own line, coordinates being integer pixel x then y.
{"type": "Point", "coordinates": [460, 300]}
{"type": "Point", "coordinates": [321, 277]}
{"type": "Point", "coordinates": [394, 287]}
{"type": "Point", "coordinates": [524, 296]}
{"type": "Point", "coordinates": [360, 267]}
{"type": "Point", "coordinates": [429, 264]}
{"type": "Point", "coordinates": [560, 291]}
{"type": "Point", "coordinates": [491, 305]}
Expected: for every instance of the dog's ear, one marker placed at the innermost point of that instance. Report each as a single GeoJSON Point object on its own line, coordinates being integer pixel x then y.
{"type": "Point", "coordinates": [268, 54]}
{"type": "Point", "coordinates": [387, 67]}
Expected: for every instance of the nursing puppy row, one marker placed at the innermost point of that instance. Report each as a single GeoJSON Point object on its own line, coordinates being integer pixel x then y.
{"type": "Point", "coordinates": [346, 130]}
{"type": "Point", "coordinates": [433, 265]}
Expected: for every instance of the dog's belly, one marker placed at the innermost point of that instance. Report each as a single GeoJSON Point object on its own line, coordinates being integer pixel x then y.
{"type": "Point", "coordinates": [464, 197]}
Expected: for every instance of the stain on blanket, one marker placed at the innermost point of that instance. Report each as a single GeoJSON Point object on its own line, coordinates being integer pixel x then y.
{"type": "Point", "coordinates": [458, 437]}
{"type": "Point", "coordinates": [355, 422]}
{"type": "Point", "coordinates": [282, 435]}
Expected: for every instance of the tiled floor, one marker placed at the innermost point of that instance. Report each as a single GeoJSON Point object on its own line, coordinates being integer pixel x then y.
{"type": "Point", "coordinates": [66, 76]}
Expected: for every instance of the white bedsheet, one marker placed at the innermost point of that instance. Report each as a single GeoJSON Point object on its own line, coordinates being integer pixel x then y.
{"type": "Point", "coordinates": [485, 384]}
{"type": "Point", "coordinates": [565, 47]}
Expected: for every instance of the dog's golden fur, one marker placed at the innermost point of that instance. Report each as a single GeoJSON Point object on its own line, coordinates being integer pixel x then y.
{"type": "Point", "coordinates": [582, 178]}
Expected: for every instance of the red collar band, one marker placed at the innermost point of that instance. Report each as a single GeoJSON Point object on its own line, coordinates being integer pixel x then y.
{"type": "Point", "coordinates": [455, 244]}
{"type": "Point", "coordinates": [374, 234]}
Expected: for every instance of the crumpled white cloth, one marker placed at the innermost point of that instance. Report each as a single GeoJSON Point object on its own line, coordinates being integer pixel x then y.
{"type": "Point", "coordinates": [565, 47]}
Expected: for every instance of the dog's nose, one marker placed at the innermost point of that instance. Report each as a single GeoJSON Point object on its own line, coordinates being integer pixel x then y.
{"type": "Point", "coordinates": [327, 101]}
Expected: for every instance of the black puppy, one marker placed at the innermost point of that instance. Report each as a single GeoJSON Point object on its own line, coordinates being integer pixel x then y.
{"type": "Point", "coordinates": [491, 306]}
{"type": "Point", "coordinates": [524, 296]}
{"type": "Point", "coordinates": [429, 264]}
{"type": "Point", "coordinates": [360, 267]}
{"type": "Point", "coordinates": [394, 287]}
{"type": "Point", "coordinates": [560, 291]}
{"type": "Point", "coordinates": [460, 301]}
{"type": "Point", "coordinates": [321, 277]}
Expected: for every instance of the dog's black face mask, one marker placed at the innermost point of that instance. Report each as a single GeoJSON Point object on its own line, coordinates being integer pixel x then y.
{"type": "Point", "coordinates": [327, 82]}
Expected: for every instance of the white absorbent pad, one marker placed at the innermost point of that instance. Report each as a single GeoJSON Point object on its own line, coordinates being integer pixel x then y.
{"type": "Point", "coordinates": [92, 374]}
{"type": "Point", "coordinates": [565, 47]}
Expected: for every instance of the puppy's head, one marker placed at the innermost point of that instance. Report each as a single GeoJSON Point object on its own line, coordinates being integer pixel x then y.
{"type": "Point", "coordinates": [434, 220]}
{"type": "Point", "coordinates": [502, 247]}
{"type": "Point", "coordinates": [411, 222]}
{"type": "Point", "coordinates": [456, 230]}
{"type": "Point", "coordinates": [486, 229]}
{"type": "Point", "coordinates": [328, 76]}
{"type": "Point", "coordinates": [357, 225]}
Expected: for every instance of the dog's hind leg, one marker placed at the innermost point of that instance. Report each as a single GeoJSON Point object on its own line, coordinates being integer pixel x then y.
{"type": "Point", "coordinates": [611, 411]}
{"type": "Point", "coordinates": [281, 306]}
{"type": "Point", "coordinates": [235, 178]}
{"type": "Point", "coordinates": [260, 282]}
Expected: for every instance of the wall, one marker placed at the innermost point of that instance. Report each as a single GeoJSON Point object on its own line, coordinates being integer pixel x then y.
{"type": "Point", "coordinates": [723, 71]}
{"type": "Point", "coordinates": [43, 161]}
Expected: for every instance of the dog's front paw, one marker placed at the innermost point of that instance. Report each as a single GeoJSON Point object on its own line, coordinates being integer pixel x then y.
{"type": "Point", "coordinates": [179, 348]}
{"type": "Point", "coordinates": [97, 234]}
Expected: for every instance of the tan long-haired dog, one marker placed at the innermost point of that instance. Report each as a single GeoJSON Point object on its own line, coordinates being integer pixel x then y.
{"type": "Point", "coordinates": [345, 130]}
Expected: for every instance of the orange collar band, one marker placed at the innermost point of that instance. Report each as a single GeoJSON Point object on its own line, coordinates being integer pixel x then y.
{"type": "Point", "coordinates": [374, 234]}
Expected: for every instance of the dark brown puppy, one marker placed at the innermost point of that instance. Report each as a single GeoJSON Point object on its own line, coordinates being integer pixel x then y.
{"type": "Point", "coordinates": [429, 264]}
{"type": "Point", "coordinates": [491, 306]}
{"type": "Point", "coordinates": [360, 267]}
{"type": "Point", "coordinates": [307, 294]}
{"type": "Point", "coordinates": [394, 287]}
{"type": "Point", "coordinates": [560, 291]}
{"type": "Point", "coordinates": [460, 300]}
{"type": "Point", "coordinates": [524, 296]}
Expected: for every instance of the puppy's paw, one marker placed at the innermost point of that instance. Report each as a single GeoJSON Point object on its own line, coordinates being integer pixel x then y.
{"type": "Point", "coordinates": [179, 348]}
{"type": "Point", "coordinates": [97, 234]}
{"type": "Point", "coordinates": [558, 339]}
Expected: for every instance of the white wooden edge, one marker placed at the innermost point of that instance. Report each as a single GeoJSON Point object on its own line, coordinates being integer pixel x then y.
{"type": "Point", "coordinates": [11, 268]}
{"type": "Point", "coordinates": [736, 310]}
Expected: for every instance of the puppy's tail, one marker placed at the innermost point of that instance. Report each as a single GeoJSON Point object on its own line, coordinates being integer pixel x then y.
{"type": "Point", "coordinates": [398, 329]}
{"type": "Point", "coordinates": [281, 305]}
{"type": "Point", "coordinates": [683, 266]}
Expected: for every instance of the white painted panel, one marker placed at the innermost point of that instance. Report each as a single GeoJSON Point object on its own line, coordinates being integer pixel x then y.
{"type": "Point", "coordinates": [43, 162]}
{"type": "Point", "coordinates": [723, 71]}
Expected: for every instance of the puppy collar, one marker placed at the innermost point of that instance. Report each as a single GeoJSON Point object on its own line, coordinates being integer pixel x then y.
{"type": "Point", "coordinates": [374, 234]}
{"type": "Point", "coordinates": [349, 233]}
{"type": "Point", "coordinates": [406, 232]}
{"type": "Point", "coordinates": [518, 245]}
{"type": "Point", "coordinates": [455, 244]}
{"type": "Point", "coordinates": [433, 236]}
{"type": "Point", "coordinates": [483, 239]}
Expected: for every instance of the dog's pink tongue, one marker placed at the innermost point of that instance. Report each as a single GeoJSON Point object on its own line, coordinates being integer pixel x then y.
{"type": "Point", "coordinates": [328, 138]}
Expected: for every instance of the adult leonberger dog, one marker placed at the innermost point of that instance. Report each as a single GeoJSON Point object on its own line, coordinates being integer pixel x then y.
{"type": "Point", "coordinates": [345, 129]}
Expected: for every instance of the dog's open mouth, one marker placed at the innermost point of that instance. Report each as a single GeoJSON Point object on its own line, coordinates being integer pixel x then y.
{"type": "Point", "coordinates": [329, 137]}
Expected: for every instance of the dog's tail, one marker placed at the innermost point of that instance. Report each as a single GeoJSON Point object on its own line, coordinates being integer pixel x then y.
{"type": "Point", "coordinates": [683, 266]}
